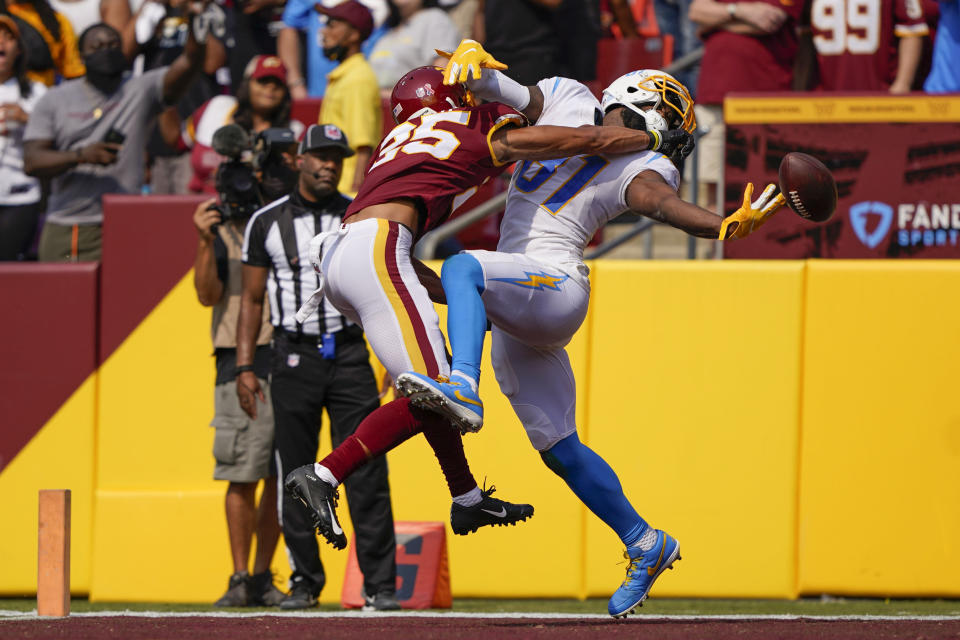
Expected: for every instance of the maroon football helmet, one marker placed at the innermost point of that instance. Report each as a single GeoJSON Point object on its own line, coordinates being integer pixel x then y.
{"type": "Point", "coordinates": [422, 91]}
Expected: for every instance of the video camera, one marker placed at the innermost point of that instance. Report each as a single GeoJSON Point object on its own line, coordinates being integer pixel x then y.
{"type": "Point", "coordinates": [254, 173]}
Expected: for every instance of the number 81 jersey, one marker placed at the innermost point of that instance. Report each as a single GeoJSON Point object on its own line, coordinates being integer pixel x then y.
{"type": "Point", "coordinates": [554, 207]}
{"type": "Point", "coordinates": [433, 158]}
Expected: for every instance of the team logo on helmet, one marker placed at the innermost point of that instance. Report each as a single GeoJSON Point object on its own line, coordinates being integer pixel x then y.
{"type": "Point", "coordinates": [422, 91]}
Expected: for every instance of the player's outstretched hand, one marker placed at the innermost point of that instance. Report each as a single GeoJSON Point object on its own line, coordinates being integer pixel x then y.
{"type": "Point", "coordinates": [751, 215]}
{"type": "Point", "coordinates": [466, 61]}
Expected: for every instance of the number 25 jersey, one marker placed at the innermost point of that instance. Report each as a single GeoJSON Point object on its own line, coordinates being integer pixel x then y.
{"type": "Point", "coordinates": [434, 158]}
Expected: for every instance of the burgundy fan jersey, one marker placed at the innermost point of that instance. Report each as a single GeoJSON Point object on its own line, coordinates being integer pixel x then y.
{"type": "Point", "coordinates": [856, 40]}
{"type": "Point", "coordinates": [434, 158]}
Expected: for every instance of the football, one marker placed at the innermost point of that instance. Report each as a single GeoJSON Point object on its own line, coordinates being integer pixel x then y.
{"type": "Point", "coordinates": [808, 186]}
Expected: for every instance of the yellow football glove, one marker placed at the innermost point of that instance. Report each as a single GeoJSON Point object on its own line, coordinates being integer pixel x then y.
{"type": "Point", "coordinates": [467, 60]}
{"type": "Point", "coordinates": [751, 215]}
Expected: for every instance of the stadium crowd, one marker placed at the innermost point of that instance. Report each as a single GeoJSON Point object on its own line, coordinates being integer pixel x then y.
{"type": "Point", "coordinates": [118, 96]}
{"type": "Point", "coordinates": [760, 45]}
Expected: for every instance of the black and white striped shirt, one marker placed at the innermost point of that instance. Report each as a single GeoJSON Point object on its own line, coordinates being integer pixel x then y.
{"type": "Point", "coordinates": [277, 237]}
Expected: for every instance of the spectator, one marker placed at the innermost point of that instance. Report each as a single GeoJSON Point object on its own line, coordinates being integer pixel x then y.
{"type": "Point", "coordinates": [301, 20]}
{"type": "Point", "coordinates": [747, 46]}
{"type": "Point", "coordinates": [879, 54]}
{"type": "Point", "coordinates": [352, 100]}
{"type": "Point", "coordinates": [81, 13]}
{"type": "Point", "coordinates": [672, 19]}
{"type": "Point", "coordinates": [321, 364]}
{"type": "Point", "coordinates": [414, 29]}
{"type": "Point", "coordinates": [19, 193]}
{"type": "Point", "coordinates": [945, 74]}
{"type": "Point", "coordinates": [522, 34]}
{"type": "Point", "coordinates": [461, 12]}
{"type": "Point", "coordinates": [254, 27]}
{"type": "Point", "coordinates": [242, 445]}
{"type": "Point", "coordinates": [89, 135]}
{"type": "Point", "coordinates": [48, 40]}
{"type": "Point", "coordinates": [158, 32]}
{"type": "Point", "coordinates": [263, 101]}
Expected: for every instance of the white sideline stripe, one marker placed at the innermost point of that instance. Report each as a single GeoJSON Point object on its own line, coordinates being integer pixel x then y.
{"type": "Point", "coordinates": [32, 615]}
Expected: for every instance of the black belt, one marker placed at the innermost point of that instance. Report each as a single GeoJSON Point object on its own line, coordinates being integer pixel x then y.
{"type": "Point", "coordinates": [350, 333]}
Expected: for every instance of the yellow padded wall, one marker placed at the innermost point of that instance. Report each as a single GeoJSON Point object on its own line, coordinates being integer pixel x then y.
{"type": "Point", "coordinates": [693, 399]}
{"type": "Point", "coordinates": [60, 456]}
{"type": "Point", "coordinates": [500, 561]}
{"type": "Point", "coordinates": [160, 530]}
{"type": "Point", "coordinates": [880, 482]}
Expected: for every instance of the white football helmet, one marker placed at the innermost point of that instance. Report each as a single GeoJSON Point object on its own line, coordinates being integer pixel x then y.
{"type": "Point", "coordinates": [655, 88]}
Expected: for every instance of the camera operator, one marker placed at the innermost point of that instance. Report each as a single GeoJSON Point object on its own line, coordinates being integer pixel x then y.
{"type": "Point", "coordinates": [323, 363]}
{"type": "Point", "coordinates": [254, 172]}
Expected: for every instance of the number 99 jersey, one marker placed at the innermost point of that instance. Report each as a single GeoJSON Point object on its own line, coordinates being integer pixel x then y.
{"type": "Point", "coordinates": [856, 40]}
{"type": "Point", "coordinates": [433, 158]}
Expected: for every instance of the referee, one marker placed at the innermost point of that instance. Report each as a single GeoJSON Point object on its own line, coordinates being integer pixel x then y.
{"type": "Point", "coordinates": [322, 364]}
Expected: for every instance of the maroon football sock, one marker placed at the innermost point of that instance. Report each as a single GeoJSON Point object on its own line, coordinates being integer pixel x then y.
{"type": "Point", "coordinates": [378, 433]}
{"type": "Point", "coordinates": [447, 445]}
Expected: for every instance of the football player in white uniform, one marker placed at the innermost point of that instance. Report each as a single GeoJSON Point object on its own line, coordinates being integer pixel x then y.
{"type": "Point", "coordinates": [535, 290]}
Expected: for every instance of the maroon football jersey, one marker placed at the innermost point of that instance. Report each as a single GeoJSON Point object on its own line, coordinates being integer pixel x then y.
{"type": "Point", "coordinates": [433, 159]}
{"type": "Point", "coordinates": [740, 62]}
{"type": "Point", "coordinates": [856, 40]}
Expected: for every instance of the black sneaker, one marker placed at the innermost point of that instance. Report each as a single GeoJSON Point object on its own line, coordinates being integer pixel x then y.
{"type": "Point", "coordinates": [489, 511]}
{"type": "Point", "coordinates": [262, 592]}
{"type": "Point", "coordinates": [320, 499]}
{"type": "Point", "coordinates": [301, 597]}
{"type": "Point", "coordinates": [236, 595]}
{"type": "Point", "coordinates": [382, 601]}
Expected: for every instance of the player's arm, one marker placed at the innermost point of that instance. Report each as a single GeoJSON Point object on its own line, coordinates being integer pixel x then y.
{"type": "Point", "coordinates": [248, 328]}
{"type": "Point", "coordinates": [649, 195]}
{"type": "Point", "coordinates": [546, 142]}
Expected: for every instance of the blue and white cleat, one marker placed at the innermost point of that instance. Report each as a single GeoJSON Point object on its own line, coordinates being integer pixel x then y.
{"type": "Point", "coordinates": [454, 399]}
{"type": "Point", "coordinates": [643, 570]}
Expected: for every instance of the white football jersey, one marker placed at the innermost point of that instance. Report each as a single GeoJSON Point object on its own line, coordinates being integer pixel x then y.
{"type": "Point", "coordinates": [555, 206]}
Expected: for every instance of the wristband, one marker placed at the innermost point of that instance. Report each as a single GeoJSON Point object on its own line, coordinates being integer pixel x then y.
{"type": "Point", "coordinates": [299, 82]}
{"type": "Point", "coordinates": [655, 139]}
{"type": "Point", "coordinates": [243, 368]}
{"type": "Point", "coordinates": [497, 87]}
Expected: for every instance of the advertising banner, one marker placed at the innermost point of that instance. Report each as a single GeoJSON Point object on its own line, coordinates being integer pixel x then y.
{"type": "Point", "coordinates": [896, 161]}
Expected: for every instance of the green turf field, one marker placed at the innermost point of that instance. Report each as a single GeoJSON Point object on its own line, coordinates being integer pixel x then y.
{"type": "Point", "coordinates": [827, 606]}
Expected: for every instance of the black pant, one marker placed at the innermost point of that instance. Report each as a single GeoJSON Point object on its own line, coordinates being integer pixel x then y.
{"type": "Point", "coordinates": [18, 226]}
{"type": "Point", "coordinates": [303, 384]}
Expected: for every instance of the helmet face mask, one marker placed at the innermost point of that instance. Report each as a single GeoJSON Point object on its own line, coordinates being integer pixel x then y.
{"type": "Point", "coordinates": [656, 90]}
{"type": "Point", "coordinates": [421, 91]}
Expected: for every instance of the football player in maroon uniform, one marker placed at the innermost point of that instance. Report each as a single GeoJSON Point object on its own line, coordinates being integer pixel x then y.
{"type": "Point", "coordinates": [442, 146]}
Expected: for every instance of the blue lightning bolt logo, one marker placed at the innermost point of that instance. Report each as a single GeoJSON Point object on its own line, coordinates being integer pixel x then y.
{"type": "Point", "coordinates": [539, 281]}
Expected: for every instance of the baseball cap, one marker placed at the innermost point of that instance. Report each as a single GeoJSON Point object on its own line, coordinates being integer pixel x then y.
{"type": "Point", "coordinates": [322, 136]}
{"type": "Point", "coordinates": [9, 23]}
{"type": "Point", "coordinates": [266, 67]}
{"type": "Point", "coordinates": [353, 13]}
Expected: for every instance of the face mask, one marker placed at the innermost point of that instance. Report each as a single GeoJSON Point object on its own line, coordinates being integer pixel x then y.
{"type": "Point", "coordinates": [338, 52]}
{"type": "Point", "coordinates": [105, 68]}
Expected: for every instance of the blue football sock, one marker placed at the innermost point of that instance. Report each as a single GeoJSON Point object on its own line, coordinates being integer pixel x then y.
{"type": "Point", "coordinates": [462, 278]}
{"type": "Point", "coordinates": [597, 486]}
